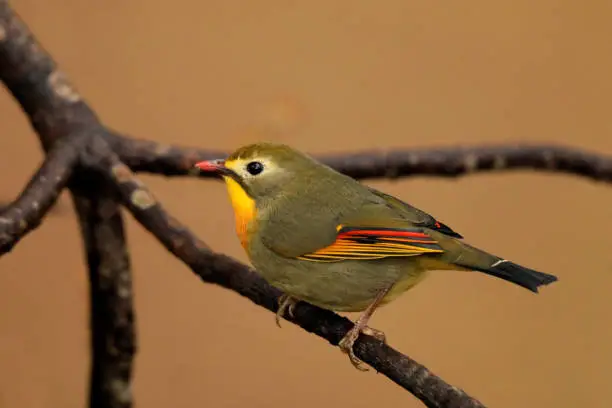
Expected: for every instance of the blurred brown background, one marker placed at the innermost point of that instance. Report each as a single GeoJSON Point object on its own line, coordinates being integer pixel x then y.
{"type": "Point", "coordinates": [328, 77]}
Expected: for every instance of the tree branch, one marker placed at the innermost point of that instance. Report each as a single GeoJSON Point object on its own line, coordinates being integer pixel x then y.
{"type": "Point", "coordinates": [52, 104]}
{"type": "Point", "coordinates": [167, 160]}
{"type": "Point", "coordinates": [231, 274]}
{"type": "Point", "coordinates": [39, 195]}
{"type": "Point", "coordinates": [59, 115]}
{"type": "Point", "coordinates": [111, 310]}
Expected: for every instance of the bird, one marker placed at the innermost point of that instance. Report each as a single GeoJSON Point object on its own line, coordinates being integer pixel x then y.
{"type": "Point", "coordinates": [322, 237]}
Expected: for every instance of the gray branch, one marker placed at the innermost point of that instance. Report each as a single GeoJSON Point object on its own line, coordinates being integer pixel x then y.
{"type": "Point", "coordinates": [66, 126]}
{"type": "Point", "coordinates": [27, 211]}
{"type": "Point", "coordinates": [168, 160]}
{"type": "Point", "coordinates": [113, 342]}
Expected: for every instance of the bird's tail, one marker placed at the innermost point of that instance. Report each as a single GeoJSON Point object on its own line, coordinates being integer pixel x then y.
{"type": "Point", "coordinates": [517, 274]}
{"type": "Point", "coordinates": [474, 259]}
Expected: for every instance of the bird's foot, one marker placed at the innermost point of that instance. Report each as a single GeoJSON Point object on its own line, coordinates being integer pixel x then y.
{"type": "Point", "coordinates": [285, 303]}
{"type": "Point", "coordinates": [348, 341]}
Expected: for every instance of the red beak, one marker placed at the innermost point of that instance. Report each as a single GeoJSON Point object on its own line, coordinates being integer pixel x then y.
{"type": "Point", "coordinates": [214, 166]}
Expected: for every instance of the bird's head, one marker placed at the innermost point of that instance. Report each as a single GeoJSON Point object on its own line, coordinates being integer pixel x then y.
{"type": "Point", "coordinates": [261, 170]}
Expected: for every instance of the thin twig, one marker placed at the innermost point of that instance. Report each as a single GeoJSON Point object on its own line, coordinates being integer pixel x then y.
{"type": "Point", "coordinates": [231, 274]}
{"type": "Point", "coordinates": [168, 160]}
{"type": "Point", "coordinates": [113, 341]}
{"type": "Point", "coordinates": [39, 195]}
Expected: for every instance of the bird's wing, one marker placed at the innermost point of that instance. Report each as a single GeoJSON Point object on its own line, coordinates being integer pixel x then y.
{"type": "Point", "coordinates": [414, 215]}
{"type": "Point", "coordinates": [363, 242]}
{"type": "Point", "coordinates": [374, 227]}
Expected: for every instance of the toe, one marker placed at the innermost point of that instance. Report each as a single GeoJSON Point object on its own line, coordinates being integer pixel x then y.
{"type": "Point", "coordinates": [278, 319]}
{"type": "Point", "coordinates": [377, 334]}
{"type": "Point", "coordinates": [357, 363]}
{"type": "Point", "coordinates": [346, 345]}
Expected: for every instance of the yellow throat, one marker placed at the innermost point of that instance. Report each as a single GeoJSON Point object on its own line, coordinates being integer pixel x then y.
{"type": "Point", "coordinates": [244, 208]}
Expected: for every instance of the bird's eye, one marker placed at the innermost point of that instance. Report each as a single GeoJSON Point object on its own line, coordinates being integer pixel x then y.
{"type": "Point", "coordinates": [254, 168]}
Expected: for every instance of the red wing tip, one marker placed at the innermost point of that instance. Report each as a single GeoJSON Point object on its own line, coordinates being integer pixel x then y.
{"type": "Point", "coordinates": [389, 233]}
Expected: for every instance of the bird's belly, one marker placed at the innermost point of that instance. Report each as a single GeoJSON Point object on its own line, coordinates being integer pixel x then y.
{"type": "Point", "coordinates": [347, 286]}
{"type": "Point", "coordinates": [406, 282]}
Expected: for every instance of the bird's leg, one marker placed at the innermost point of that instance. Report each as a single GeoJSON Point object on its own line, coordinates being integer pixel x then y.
{"type": "Point", "coordinates": [361, 326]}
{"type": "Point", "coordinates": [285, 303]}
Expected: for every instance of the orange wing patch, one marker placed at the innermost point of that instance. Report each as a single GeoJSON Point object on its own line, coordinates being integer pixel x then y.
{"type": "Point", "coordinates": [374, 243]}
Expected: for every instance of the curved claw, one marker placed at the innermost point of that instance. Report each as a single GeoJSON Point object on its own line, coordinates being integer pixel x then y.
{"type": "Point", "coordinates": [346, 345]}
{"type": "Point", "coordinates": [285, 303]}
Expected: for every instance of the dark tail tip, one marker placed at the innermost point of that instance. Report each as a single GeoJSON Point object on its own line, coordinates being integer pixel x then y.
{"type": "Point", "coordinates": [519, 275]}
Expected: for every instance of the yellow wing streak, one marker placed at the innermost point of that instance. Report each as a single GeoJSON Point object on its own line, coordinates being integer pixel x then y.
{"type": "Point", "coordinates": [375, 243]}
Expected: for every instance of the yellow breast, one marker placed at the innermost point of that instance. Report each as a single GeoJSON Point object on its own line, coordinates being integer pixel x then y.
{"type": "Point", "coordinates": [244, 209]}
